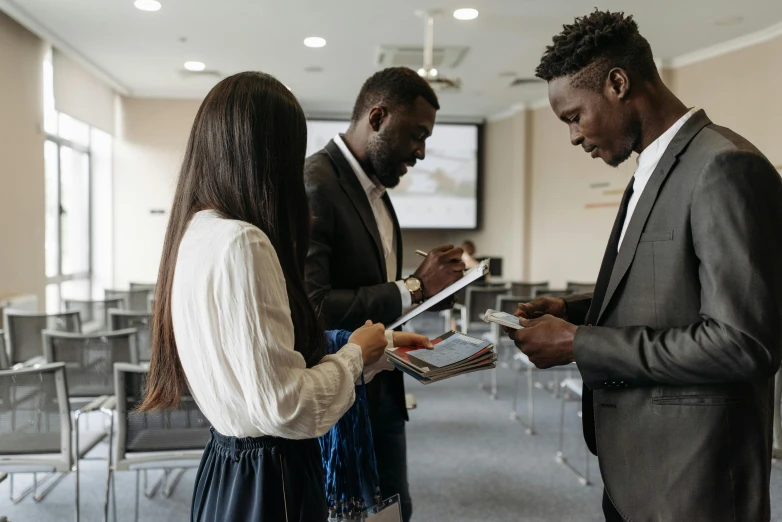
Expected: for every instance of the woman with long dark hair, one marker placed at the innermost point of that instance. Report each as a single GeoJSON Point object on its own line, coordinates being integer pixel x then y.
{"type": "Point", "coordinates": [232, 318]}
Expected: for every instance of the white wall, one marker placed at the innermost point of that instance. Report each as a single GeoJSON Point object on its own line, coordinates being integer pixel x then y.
{"type": "Point", "coordinates": [22, 227]}
{"type": "Point", "coordinates": [151, 139]}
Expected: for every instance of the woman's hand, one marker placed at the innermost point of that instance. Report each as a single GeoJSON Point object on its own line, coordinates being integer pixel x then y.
{"type": "Point", "coordinates": [411, 339]}
{"type": "Point", "coordinates": [372, 340]}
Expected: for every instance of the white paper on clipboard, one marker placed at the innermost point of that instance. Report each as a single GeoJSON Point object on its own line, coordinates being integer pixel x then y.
{"type": "Point", "coordinates": [470, 277]}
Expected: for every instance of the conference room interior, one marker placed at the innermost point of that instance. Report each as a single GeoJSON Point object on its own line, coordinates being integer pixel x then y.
{"type": "Point", "coordinates": [96, 102]}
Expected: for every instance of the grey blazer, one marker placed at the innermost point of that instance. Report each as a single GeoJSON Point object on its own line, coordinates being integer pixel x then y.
{"type": "Point", "coordinates": [679, 353]}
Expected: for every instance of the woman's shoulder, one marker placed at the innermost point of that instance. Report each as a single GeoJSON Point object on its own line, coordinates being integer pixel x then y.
{"type": "Point", "coordinates": [230, 232]}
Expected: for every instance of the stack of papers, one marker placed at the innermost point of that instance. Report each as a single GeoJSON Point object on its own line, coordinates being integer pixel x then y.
{"type": "Point", "coordinates": [454, 354]}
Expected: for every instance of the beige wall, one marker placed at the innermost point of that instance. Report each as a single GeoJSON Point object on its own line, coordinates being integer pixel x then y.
{"type": "Point", "coordinates": [151, 140]}
{"type": "Point", "coordinates": [567, 239]}
{"type": "Point", "coordinates": [740, 90]}
{"type": "Point", "coordinates": [22, 232]}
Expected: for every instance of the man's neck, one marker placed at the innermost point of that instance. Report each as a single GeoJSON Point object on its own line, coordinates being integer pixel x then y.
{"type": "Point", "coordinates": [662, 109]}
{"type": "Point", "coordinates": [356, 143]}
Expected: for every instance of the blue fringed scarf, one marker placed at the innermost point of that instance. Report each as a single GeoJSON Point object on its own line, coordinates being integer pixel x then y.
{"type": "Point", "coordinates": [348, 452]}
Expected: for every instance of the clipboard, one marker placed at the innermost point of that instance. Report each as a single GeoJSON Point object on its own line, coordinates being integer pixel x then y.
{"type": "Point", "coordinates": [470, 277]}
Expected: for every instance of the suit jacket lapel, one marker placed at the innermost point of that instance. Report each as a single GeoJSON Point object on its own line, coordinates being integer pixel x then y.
{"type": "Point", "coordinates": [355, 192]}
{"type": "Point", "coordinates": [397, 234]}
{"type": "Point", "coordinates": [646, 202]}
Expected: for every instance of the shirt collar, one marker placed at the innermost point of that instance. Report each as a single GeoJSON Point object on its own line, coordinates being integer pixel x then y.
{"type": "Point", "coordinates": [654, 152]}
{"type": "Point", "coordinates": [373, 188]}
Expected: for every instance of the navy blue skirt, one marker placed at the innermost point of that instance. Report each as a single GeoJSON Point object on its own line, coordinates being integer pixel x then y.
{"type": "Point", "coordinates": [259, 479]}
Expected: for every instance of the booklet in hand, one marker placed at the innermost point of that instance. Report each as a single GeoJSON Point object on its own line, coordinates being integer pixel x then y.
{"type": "Point", "coordinates": [453, 354]}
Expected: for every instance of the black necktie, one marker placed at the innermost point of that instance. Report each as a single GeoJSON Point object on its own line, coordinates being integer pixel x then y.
{"type": "Point", "coordinates": [607, 267]}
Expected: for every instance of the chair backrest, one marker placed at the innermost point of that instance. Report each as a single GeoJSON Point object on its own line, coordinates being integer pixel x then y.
{"type": "Point", "coordinates": [134, 299]}
{"type": "Point", "coordinates": [94, 313]}
{"type": "Point", "coordinates": [185, 428]}
{"type": "Point", "coordinates": [509, 303]}
{"type": "Point", "coordinates": [89, 359]}
{"type": "Point", "coordinates": [581, 288]}
{"type": "Point", "coordinates": [149, 287]}
{"type": "Point", "coordinates": [23, 332]}
{"type": "Point", "coordinates": [480, 299]}
{"type": "Point", "coordinates": [141, 321]}
{"type": "Point", "coordinates": [3, 354]}
{"type": "Point", "coordinates": [552, 293]}
{"type": "Point", "coordinates": [34, 413]}
{"type": "Point", "coordinates": [522, 288]}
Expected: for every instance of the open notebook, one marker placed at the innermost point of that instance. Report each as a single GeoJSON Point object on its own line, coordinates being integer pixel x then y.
{"type": "Point", "coordinates": [454, 354]}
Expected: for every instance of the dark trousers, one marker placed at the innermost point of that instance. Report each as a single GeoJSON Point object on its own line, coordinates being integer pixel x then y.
{"type": "Point", "coordinates": [610, 512]}
{"type": "Point", "coordinates": [391, 453]}
{"type": "Point", "coordinates": [259, 479]}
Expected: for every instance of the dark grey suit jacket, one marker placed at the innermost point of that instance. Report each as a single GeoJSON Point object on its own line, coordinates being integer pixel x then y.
{"type": "Point", "coordinates": [346, 268]}
{"type": "Point", "coordinates": [678, 367]}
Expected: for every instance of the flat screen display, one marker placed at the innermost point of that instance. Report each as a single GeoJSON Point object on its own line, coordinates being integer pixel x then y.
{"type": "Point", "coordinates": [440, 192]}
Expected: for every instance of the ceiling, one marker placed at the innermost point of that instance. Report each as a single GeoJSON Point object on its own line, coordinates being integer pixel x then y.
{"type": "Point", "coordinates": [144, 52]}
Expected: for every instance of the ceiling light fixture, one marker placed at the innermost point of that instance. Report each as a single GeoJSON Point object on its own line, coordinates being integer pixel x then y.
{"type": "Point", "coordinates": [466, 14]}
{"type": "Point", "coordinates": [315, 42]}
{"type": "Point", "coordinates": [422, 72]}
{"type": "Point", "coordinates": [147, 5]}
{"type": "Point", "coordinates": [195, 66]}
{"type": "Point", "coordinates": [433, 73]}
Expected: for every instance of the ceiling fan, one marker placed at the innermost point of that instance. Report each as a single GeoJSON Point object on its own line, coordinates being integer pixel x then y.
{"type": "Point", "coordinates": [438, 81]}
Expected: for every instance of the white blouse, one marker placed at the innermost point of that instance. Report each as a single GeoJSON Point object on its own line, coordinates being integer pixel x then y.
{"type": "Point", "coordinates": [235, 338]}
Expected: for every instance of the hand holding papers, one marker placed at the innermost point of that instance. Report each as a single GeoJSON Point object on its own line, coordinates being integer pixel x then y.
{"type": "Point", "coordinates": [454, 354]}
{"type": "Point", "coordinates": [470, 277]}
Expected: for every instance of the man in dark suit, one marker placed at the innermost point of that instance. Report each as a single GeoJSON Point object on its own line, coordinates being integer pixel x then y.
{"type": "Point", "coordinates": [353, 270]}
{"type": "Point", "coordinates": [680, 341]}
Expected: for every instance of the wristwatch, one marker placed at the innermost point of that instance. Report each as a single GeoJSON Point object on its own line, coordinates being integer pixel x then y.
{"type": "Point", "coordinates": [416, 288]}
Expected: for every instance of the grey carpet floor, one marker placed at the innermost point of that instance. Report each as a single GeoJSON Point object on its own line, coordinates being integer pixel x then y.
{"type": "Point", "coordinates": [468, 462]}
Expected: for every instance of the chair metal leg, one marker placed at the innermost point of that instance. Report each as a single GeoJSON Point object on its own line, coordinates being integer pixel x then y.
{"type": "Point", "coordinates": [530, 402]}
{"type": "Point", "coordinates": [23, 494]}
{"type": "Point", "coordinates": [149, 493]}
{"type": "Point", "coordinates": [109, 471]}
{"type": "Point", "coordinates": [583, 479]}
{"type": "Point", "coordinates": [135, 517]}
{"type": "Point", "coordinates": [57, 478]}
{"type": "Point", "coordinates": [529, 424]}
{"type": "Point", "coordinates": [514, 415]}
{"type": "Point", "coordinates": [172, 481]}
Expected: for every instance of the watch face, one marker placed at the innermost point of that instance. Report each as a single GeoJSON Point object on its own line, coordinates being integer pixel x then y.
{"type": "Point", "coordinates": [413, 284]}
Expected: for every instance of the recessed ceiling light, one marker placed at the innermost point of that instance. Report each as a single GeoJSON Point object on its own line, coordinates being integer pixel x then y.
{"type": "Point", "coordinates": [315, 41]}
{"type": "Point", "coordinates": [147, 5]}
{"type": "Point", "coordinates": [433, 73]}
{"type": "Point", "coordinates": [195, 66]}
{"type": "Point", "coordinates": [421, 72]}
{"type": "Point", "coordinates": [466, 14]}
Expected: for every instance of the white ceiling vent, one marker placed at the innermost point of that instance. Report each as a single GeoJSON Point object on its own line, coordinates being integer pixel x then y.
{"type": "Point", "coordinates": [444, 57]}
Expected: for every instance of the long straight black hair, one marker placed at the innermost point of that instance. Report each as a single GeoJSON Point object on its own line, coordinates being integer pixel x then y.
{"type": "Point", "coordinates": [245, 160]}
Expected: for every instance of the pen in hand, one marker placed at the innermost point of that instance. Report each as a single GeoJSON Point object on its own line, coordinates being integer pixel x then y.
{"type": "Point", "coordinates": [421, 253]}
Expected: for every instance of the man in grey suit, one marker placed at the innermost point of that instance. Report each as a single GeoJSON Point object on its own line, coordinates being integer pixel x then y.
{"type": "Point", "coordinates": [680, 341]}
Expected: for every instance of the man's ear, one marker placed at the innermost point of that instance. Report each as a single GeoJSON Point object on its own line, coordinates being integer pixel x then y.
{"type": "Point", "coordinates": [618, 84]}
{"type": "Point", "coordinates": [376, 117]}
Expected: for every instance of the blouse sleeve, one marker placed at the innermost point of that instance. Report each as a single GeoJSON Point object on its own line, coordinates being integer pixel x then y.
{"type": "Point", "coordinates": [283, 397]}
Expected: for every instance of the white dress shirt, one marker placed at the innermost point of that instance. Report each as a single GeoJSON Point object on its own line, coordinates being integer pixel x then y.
{"type": "Point", "coordinates": [235, 338]}
{"type": "Point", "coordinates": [375, 190]}
{"type": "Point", "coordinates": [647, 162]}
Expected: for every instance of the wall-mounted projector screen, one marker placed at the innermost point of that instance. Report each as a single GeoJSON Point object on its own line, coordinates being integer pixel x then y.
{"type": "Point", "coordinates": [440, 192]}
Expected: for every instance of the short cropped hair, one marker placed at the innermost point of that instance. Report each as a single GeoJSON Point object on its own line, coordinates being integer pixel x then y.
{"type": "Point", "coordinates": [395, 86]}
{"type": "Point", "coordinates": [593, 45]}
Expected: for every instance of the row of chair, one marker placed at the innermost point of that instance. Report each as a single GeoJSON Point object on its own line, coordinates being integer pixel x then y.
{"type": "Point", "coordinates": [39, 432]}
{"type": "Point", "coordinates": [21, 342]}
